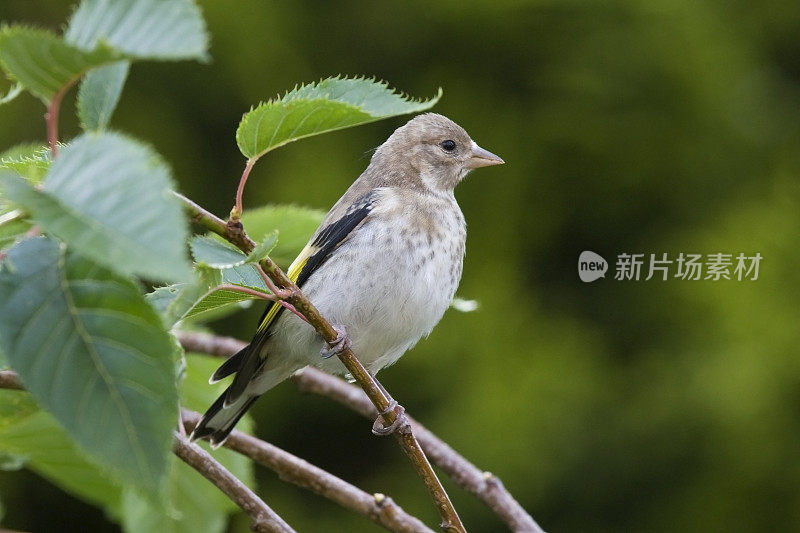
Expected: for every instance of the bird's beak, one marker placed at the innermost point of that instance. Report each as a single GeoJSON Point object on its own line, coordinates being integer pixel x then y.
{"type": "Point", "coordinates": [482, 158]}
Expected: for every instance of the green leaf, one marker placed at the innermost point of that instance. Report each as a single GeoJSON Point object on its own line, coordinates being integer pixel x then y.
{"type": "Point", "coordinates": [94, 354]}
{"type": "Point", "coordinates": [30, 161]}
{"type": "Point", "coordinates": [213, 253]}
{"type": "Point", "coordinates": [263, 248]}
{"type": "Point", "coordinates": [155, 29]}
{"type": "Point", "coordinates": [295, 225]}
{"type": "Point", "coordinates": [47, 450]}
{"type": "Point", "coordinates": [99, 93]}
{"type": "Point", "coordinates": [43, 63]}
{"type": "Point", "coordinates": [107, 196]}
{"type": "Point", "coordinates": [14, 91]}
{"type": "Point", "coordinates": [173, 301]}
{"type": "Point", "coordinates": [332, 104]}
{"type": "Point", "coordinates": [197, 505]}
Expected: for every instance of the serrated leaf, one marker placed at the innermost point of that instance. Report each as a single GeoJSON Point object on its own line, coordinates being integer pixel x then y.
{"type": "Point", "coordinates": [295, 225]}
{"type": "Point", "coordinates": [49, 451]}
{"type": "Point", "coordinates": [156, 29]}
{"type": "Point", "coordinates": [30, 161]}
{"type": "Point", "coordinates": [213, 253]}
{"type": "Point", "coordinates": [332, 104]}
{"type": "Point", "coordinates": [173, 301]}
{"type": "Point", "coordinates": [99, 94]}
{"type": "Point", "coordinates": [13, 91]}
{"type": "Point", "coordinates": [94, 354]}
{"type": "Point", "coordinates": [263, 248]}
{"type": "Point", "coordinates": [107, 196]}
{"type": "Point", "coordinates": [44, 63]}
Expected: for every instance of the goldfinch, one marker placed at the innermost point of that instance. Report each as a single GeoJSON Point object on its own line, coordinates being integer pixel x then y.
{"type": "Point", "coordinates": [383, 266]}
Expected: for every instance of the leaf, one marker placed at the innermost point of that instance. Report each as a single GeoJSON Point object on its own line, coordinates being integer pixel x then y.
{"type": "Point", "coordinates": [173, 301]}
{"type": "Point", "coordinates": [44, 63]}
{"type": "Point", "coordinates": [154, 29]}
{"type": "Point", "coordinates": [263, 248]}
{"type": "Point", "coordinates": [213, 253]}
{"type": "Point", "coordinates": [198, 506]}
{"type": "Point", "coordinates": [94, 354]}
{"type": "Point", "coordinates": [107, 196]}
{"type": "Point", "coordinates": [47, 449]}
{"type": "Point", "coordinates": [332, 104]}
{"type": "Point", "coordinates": [295, 225]}
{"type": "Point", "coordinates": [14, 91]}
{"type": "Point", "coordinates": [30, 161]}
{"type": "Point", "coordinates": [99, 93]}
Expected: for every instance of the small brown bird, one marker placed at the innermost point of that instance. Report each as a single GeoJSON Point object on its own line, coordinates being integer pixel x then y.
{"type": "Point", "coordinates": [383, 265]}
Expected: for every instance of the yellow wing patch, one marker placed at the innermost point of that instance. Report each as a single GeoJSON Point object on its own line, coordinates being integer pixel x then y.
{"type": "Point", "coordinates": [294, 271]}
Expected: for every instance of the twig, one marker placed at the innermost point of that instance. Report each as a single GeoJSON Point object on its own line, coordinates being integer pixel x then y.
{"type": "Point", "coordinates": [264, 518]}
{"type": "Point", "coordinates": [382, 402]}
{"type": "Point", "coordinates": [378, 508]}
{"type": "Point", "coordinates": [487, 487]}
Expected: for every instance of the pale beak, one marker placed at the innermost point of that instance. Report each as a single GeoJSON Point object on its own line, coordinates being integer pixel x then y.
{"type": "Point", "coordinates": [482, 158]}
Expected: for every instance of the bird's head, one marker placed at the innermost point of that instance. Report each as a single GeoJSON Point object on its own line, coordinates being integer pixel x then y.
{"type": "Point", "coordinates": [436, 150]}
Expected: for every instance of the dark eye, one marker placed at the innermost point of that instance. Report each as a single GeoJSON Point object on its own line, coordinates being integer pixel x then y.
{"type": "Point", "coordinates": [448, 145]}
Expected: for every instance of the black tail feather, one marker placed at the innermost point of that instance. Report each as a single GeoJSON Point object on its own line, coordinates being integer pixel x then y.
{"type": "Point", "coordinates": [218, 433]}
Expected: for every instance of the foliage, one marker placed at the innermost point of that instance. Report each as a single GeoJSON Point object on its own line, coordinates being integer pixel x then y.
{"type": "Point", "coordinates": [94, 349]}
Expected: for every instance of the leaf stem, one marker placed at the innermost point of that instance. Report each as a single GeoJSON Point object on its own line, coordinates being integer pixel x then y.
{"type": "Point", "coordinates": [236, 212]}
{"type": "Point", "coordinates": [51, 118]}
{"type": "Point", "coordinates": [244, 290]}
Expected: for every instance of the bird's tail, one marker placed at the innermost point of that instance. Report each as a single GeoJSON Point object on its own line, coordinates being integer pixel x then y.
{"type": "Point", "coordinates": [219, 420]}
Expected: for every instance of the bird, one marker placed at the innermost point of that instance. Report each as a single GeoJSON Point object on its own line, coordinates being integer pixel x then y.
{"type": "Point", "coordinates": [383, 267]}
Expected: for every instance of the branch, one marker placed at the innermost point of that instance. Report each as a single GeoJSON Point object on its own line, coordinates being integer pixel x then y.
{"type": "Point", "coordinates": [264, 518]}
{"type": "Point", "coordinates": [378, 508]}
{"type": "Point", "coordinates": [487, 487]}
{"type": "Point", "coordinates": [234, 233]}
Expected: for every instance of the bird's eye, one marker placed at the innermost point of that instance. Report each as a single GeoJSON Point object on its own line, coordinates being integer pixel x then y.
{"type": "Point", "coordinates": [448, 145]}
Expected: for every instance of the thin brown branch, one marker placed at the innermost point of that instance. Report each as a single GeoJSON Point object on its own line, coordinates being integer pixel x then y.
{"type": "Point", "coordinates": [234, 232]}
{"type": "Point", "coordinates": [487, 487]}
{"type": "Point", "coordinates": [378, 508]}
{"type": "Point", "coordinates": [264, 518]}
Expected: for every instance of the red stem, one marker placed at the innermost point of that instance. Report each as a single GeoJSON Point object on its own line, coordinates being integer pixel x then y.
{"type": "Point", "coordinates": [52, 119]}
{"type": "Point", "coordinates": [236, 214]}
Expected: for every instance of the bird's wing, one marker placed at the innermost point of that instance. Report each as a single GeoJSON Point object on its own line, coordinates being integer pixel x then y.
{"type": "Point", "coordinates": [247, 362]}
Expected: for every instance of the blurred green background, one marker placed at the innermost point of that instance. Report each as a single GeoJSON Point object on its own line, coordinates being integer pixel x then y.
{"type": "Point", "coordinates": [640, 127]}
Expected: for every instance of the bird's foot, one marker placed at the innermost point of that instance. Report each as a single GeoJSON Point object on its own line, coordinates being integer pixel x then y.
{"type": "Point", "coordinates": [380, 428]}
{"type": "Point", "coordinates": [341, 343]}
